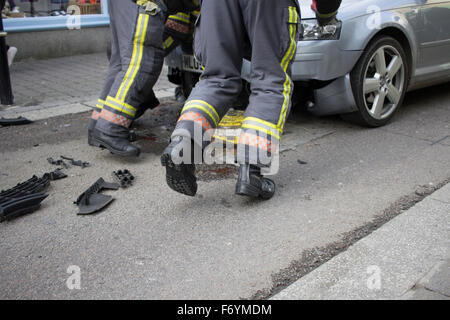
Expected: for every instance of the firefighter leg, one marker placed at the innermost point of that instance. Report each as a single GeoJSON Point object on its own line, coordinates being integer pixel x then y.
{"type": "Point", "coordinates": [123, 18]}
{"type": "Point", "coordinates": [272, 28]}
{"type": "Point", "coordinates": [141, 67]}
{"type": "Point", "coordinates": [273, 32]}
{"type": "Point", "coordinates": [218, 45]}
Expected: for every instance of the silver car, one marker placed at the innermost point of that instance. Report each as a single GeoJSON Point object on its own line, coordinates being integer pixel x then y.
{"type": "Point", "coordinates": [362, 66]}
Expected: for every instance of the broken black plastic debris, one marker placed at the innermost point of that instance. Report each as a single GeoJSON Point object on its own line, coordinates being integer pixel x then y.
{"type": "Point", "coordinates": [24, 198]}
{"type": "Point", "coordinates": [11, 208]}
{"type": "Point", "coordinates": [58, 162]}
{"type": "Point", "coordinates": [14, 122]}
{"type": "Point", "coordinates": [77, 163]}
{"type": "Point", "coordinates": [55, 175]}
{"type": "Point", "coordinates": [31, 186]}
{"type": "Point", "coordinates": [124, 177]}
{"type": "Point", "coordinates": [27, 196]}
{"type": "Point", "coordinates": [92, 201]}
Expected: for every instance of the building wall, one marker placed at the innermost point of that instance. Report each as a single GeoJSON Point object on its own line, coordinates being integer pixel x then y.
{"type": "Point", "coordinates": [59, 43]}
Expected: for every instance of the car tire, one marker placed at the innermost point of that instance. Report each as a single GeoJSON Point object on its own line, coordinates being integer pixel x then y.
{"type": "Point", "coordinates": [379, 82]}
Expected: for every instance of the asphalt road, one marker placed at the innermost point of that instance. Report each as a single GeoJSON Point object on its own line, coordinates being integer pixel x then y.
{"type": "Point", "coordinates": [337, 183]}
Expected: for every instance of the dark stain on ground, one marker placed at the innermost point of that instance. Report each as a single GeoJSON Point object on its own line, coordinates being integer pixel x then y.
{"type": "Point", "coordinates": [149, 137]}
{"type": "Point", "coordinates": [314, 258]}
{"type": "Point", "coordinates": [215, 172]}
{"type": "Point", "coordinates": [74, 126]}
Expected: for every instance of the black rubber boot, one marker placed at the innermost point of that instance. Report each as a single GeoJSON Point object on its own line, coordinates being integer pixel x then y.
{"type": "Point", "coordinates": [252, 184]}
{"type": "Point", "coordinates": [179, 177]}
{"type": "Point", "coordinates": [91, 128]}
{"type": "Point", "coordinates": [116, 145]}
{"type": "Point", "coordinates": [132, 137]}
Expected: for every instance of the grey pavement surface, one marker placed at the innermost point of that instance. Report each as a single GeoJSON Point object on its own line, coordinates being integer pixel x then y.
{"type": "Point", "coordinates": [335, 180]}
{"type": "Point", "coordinates": [407, 258]}
{"type": "Point", "coordinates": [62, 82]}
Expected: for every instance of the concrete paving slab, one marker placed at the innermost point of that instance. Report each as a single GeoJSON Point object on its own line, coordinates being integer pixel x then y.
{"type": "Point", "coordinates": [46, 113]}
{"type": "Point", "coordinates": [423, 294]}
{"type": "Point", "coordinates": [442, 194]}
{"type": "Point", "coordinates": [387, 263]}
{"type": "Point", "coordinates": [438, 279]}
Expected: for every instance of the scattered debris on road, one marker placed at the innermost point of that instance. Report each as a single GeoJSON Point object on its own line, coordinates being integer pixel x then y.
{"type": "Point", "coordinates": [124, 177]}
{"type": "Point", "coordinates": [78, 163]}
{"type": "Point", "coordinates": [26, 197]}
{"type": "Point", "coordinates": [14, 122]}
{"type": "Point", "coordinates": [91, 201]}
{"type": "Point", "coordinates": [58, 162]}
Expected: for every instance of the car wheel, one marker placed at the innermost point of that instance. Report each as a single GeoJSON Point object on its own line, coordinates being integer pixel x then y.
{"type": "Point", "coordinates": [379, 82]}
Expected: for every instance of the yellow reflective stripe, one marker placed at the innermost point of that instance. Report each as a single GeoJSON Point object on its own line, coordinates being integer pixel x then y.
{"type": "Point", "coordinates": [186, 15]}
{"type": "Point", "coordinates": [141, 52]}
{"type": "Point", "coordinates": [207, 104]}
{"type": "Point", "coordinates": [181, 17]}
{"type": "Point", "coordinates": [263, 122]}
{"type": "Point", "coordinates": [100, 103]}
{"type": "Point", "coordinates": [132, 62]}
{"type": "Point", "coordinates": [121, 103]}
{"type": "Point", "coordinates": [201, 108]}
{"type": "Point", "coordinates": [285, 63]}
{"type": "Point", "coordinates": [326, 15]}
{"type": "Point", "coordinates": [119, 109]}
{"type": "Point", "coordinates": [268, 132]}
{"type": "Point", "coordinates": [168, 43]}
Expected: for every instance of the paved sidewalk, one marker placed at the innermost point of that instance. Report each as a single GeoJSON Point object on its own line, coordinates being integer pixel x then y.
{"type": "Point", "coordinates": [70, 84]}
{"type": "Point", "coordinates": [407, 258]}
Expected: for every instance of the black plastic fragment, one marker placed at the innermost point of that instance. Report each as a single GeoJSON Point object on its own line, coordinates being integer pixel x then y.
{"type": "Point", "coordinates": [92, 201]}
{"type": "Point", "coordinates": [124, 177]}
{"type": "Point", "coordinates": [24, 198]}
{"type": "Point", "coordinates": [11, 208]}
{"type": "Point", "coordinates": [58, 162]}
{"type": "Point", "coordinates": [77, 163]}
{"type": "Point", "coordinates": [55, 175]}
{"type": "Point", "coordinates": [14, 122]}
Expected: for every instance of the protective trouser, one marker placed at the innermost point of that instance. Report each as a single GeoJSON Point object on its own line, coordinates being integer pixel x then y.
{"type": "Point", "coordinates": [137, 59]}
{"type": "Point", "coordinates": [221, 34]}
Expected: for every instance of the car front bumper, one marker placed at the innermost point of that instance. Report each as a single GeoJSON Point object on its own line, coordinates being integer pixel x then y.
{"type": "Point", "coordinates": [318, 60]}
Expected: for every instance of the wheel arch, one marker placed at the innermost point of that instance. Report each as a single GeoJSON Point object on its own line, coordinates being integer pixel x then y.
{"type": "Point", "coordinates": [401, 37]}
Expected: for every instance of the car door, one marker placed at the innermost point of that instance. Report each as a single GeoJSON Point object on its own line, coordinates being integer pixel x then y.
{"type": "Point", "coordinates": [434, 37]}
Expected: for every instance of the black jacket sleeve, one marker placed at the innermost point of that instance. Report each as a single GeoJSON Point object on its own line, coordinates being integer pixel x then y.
{"type": "Point", "coordinates": [326, 10]}
{"type": "Point", "coordinates": [175, 6]}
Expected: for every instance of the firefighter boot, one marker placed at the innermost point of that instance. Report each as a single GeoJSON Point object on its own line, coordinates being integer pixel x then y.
{"type": "Point", "coordinates": [180, 175]}
{"type": "Point", "coordinates": [132, 137]}
{"type": "Point", "coordinates": [119, 144]}
{"type": "Point", "coordinates": [252, 184]}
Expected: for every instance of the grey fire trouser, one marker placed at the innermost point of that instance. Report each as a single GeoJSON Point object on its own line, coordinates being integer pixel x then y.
{"type": "Point", "coordinates": [222, 30]}
{"type": "Point", "coordinates": [137, 58]}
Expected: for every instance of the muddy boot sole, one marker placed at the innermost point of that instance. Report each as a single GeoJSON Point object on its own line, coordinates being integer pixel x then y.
{"type": "Point", "coordinates": [179, 176]}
